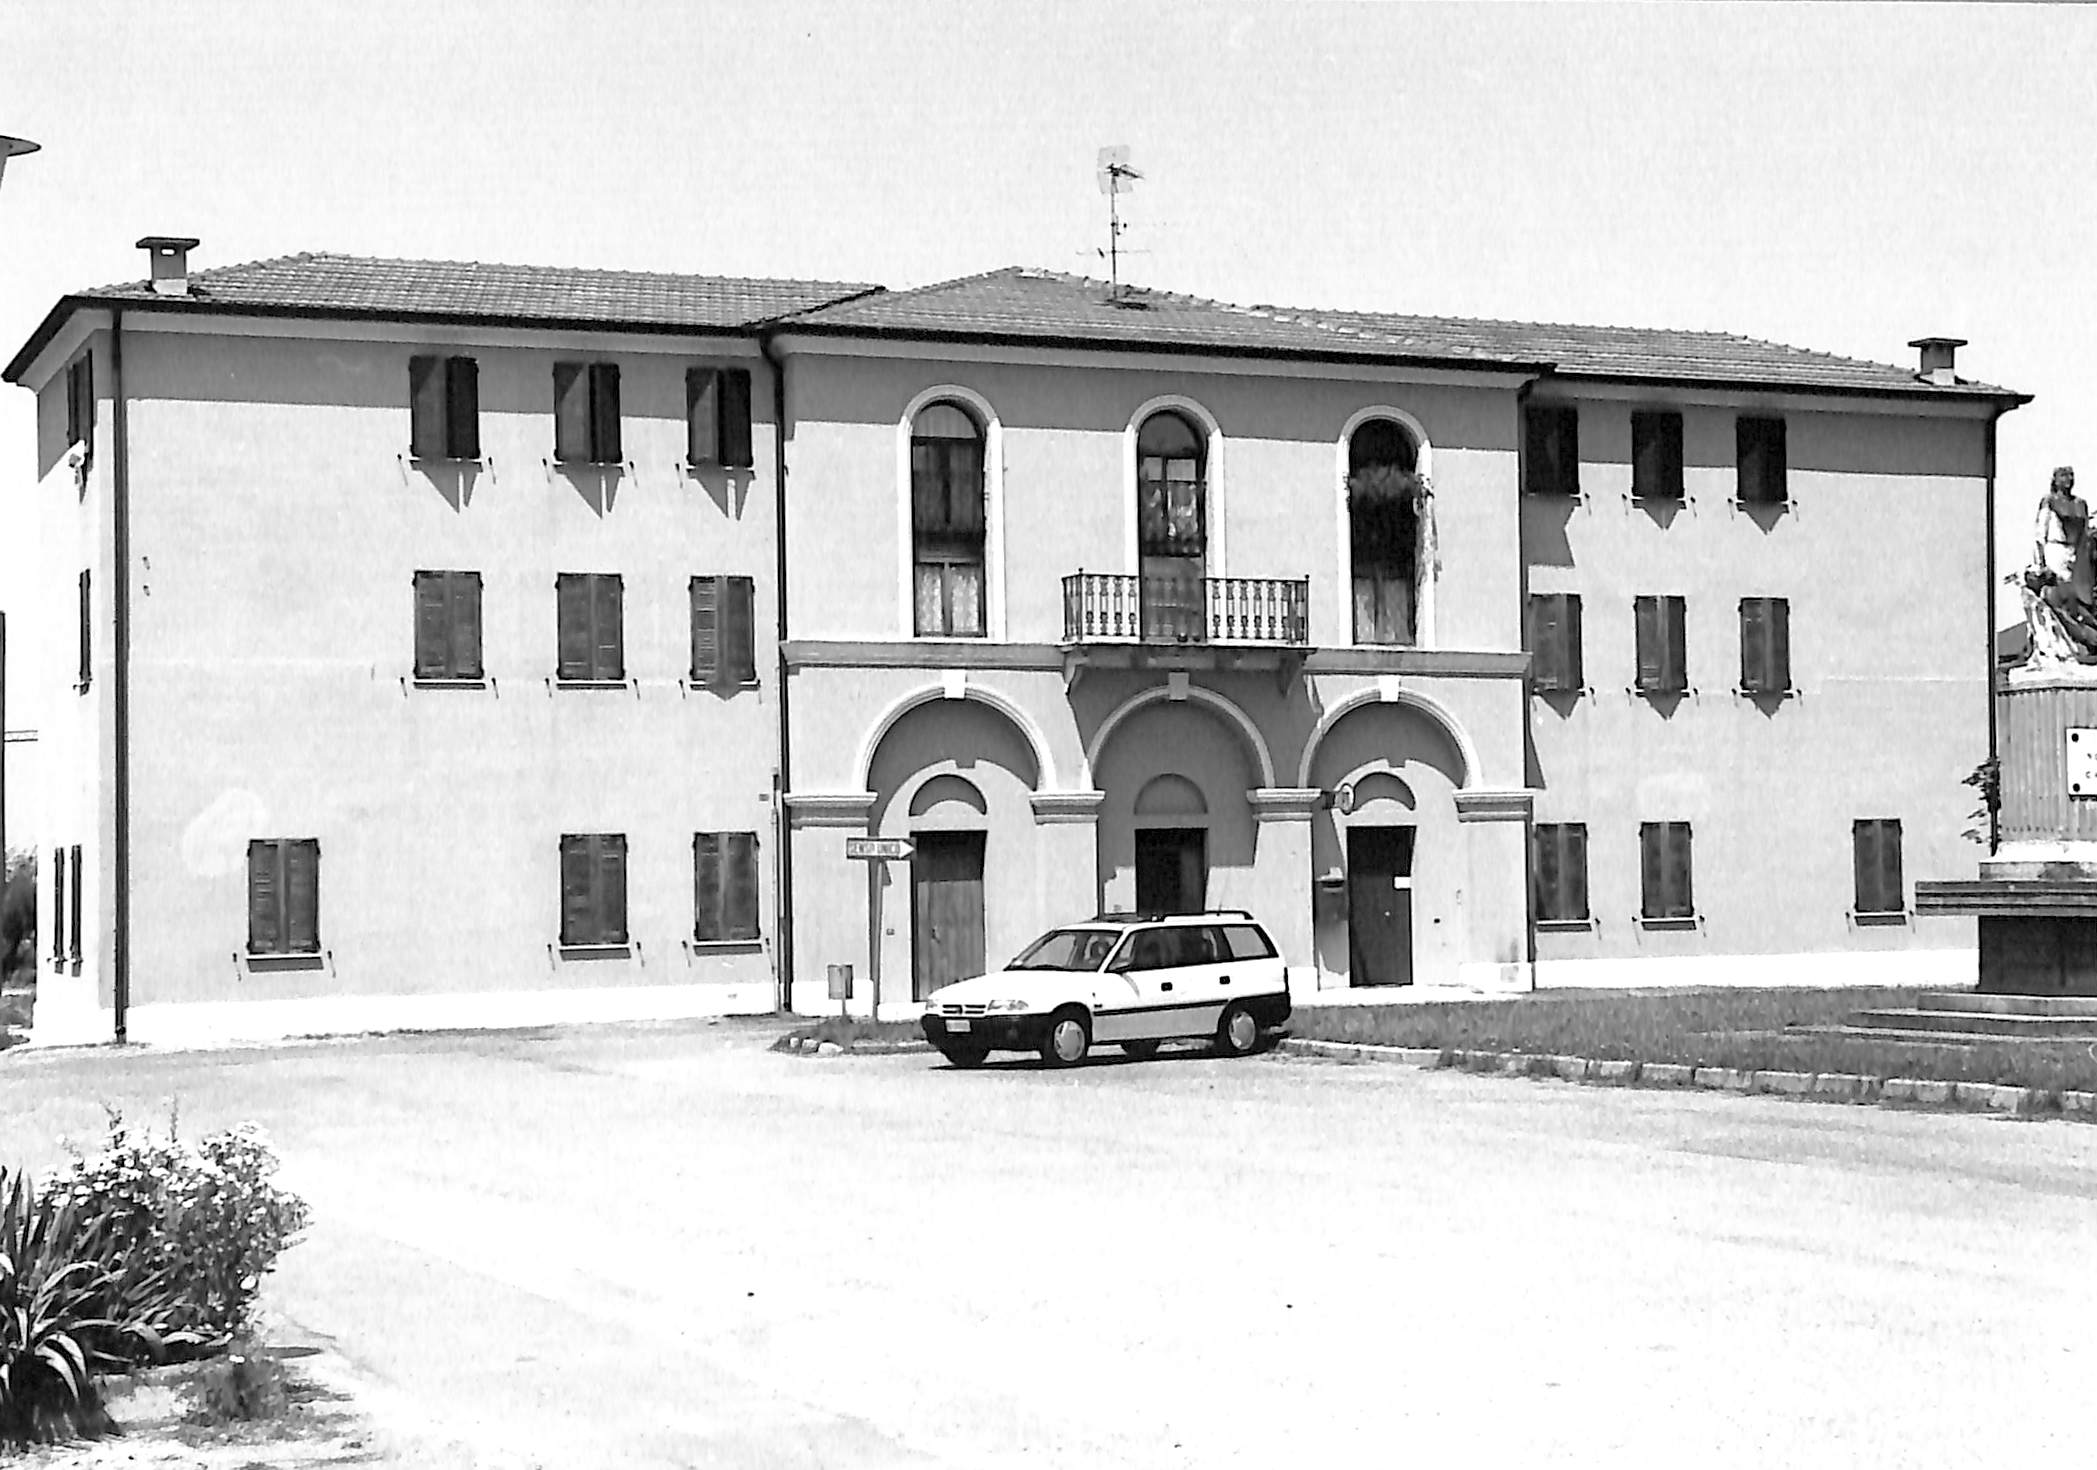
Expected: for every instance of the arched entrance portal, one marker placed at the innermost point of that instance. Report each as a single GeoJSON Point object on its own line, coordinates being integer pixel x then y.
{"type": "Point", "coordinates": [1176, 830]}
{"type": "Point", "coordinates": [1393, 844]}
{"type": "Point", "coordinates": [954, 776]}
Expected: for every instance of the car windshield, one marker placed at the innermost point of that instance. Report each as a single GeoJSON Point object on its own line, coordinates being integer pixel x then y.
{"type": "Point", "coordinates": [1068, 949]}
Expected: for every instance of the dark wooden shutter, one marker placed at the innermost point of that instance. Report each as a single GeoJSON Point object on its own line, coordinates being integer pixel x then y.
{"type": "Point", "coordinates": [1652, 635]}
{"type": "Point", "coordinates": [1893, 891]}
{"type": "Point", "coordinates": [80, 401]}
{"type": "Point", "coordinates": [58, 903]}
{"type": "Point", "coordinates": [302, 896]}
{"type": "Point", "coordinates": [1572, 870]}
{"type": "Point", "coordinates": [706, 630]}
{"type": "Point", "coordinates": [1754, 645]}
{"type": "Point", "coordinates": [735, 418]}
{"type": "Point", "coordinates": [1680, 893]}
{"type": "Point", "coordinates": [708, 918]}
{"type": "Point", "coordinates": [739, 895]}
{"type": "Point", "coordinates": [1652, 870]}
{"type": "Point", "coordinates": [79, 902]}
{"type": "Point", "coordinates": [611, 889]}
{"type": "Point", "coordinates": [578, 890]}
{"type": "Point", "coordinates": [1544, 875]}
{"type": "Point", "coordinates": [1656, 456]}
{"type": "Point", "coordinates": [702, 415]}
{"type": "Point", "coordinates": [463, 407]}
{"type": "Point", "coordinates": [265, 918]}
{"type": "Point", "coordinates": [432, 627]}
{"type": "Point", "coordinates": [608, 649]}
{"type": "Point", "coordinates": [571, 412]}
{"type": "Point", "coordinates": [1759, 452]}
{"type": "Point", "coordinates": [465, 625]}
{"type": "Point", "coordinates": [1864, 851]}
{"type": "Point", "coordinates": [738, 630]}
{"type": "Point", "coordinates": [1880, 886]}
{"type": "Point", "coordinates": [604, 413]}
{"type": "Point", "coordinates": [1779, 645]}
{"type": "Point", "coordinates": [87, 629]}
{"type": "Point", "coordinates": [73, 404]}
{"type": "Point", "coordinates": [426, 408]}
{"type": "Point", "coordinates": [1674, 643]}
{"type": "Point", "coordinates": [572, 599]}
{"type": "Point", "coordinates": [1555, 641]}
{"type": "Point", "coordinates": [1575, 665]}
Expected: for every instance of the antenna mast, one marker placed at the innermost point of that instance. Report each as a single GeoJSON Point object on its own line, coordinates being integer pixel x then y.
{"type": "Point", "coordinates": [1116, 178]}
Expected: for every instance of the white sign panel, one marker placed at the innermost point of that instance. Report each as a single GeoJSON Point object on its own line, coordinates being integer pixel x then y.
{"type": "Point", "coordinates": [2082, 762]}
{"type": "Point", "coordinates": [878, 849]}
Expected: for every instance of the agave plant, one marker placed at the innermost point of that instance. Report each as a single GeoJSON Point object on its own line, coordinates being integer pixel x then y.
{"type": "Point", "coordinates": [47, 1320]}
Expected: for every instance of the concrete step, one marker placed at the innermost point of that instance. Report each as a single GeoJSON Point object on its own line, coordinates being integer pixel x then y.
{"type": "Point", "coordinates": [1894, 1036]}
{"type": "Point", "coordinates": [2008, 1005]}
{"type": "Point", "coordinates": [1978, 1023]}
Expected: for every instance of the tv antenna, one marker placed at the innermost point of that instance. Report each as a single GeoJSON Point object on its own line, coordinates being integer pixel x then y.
{"type": "Point", "coordinates": [1116, 177]}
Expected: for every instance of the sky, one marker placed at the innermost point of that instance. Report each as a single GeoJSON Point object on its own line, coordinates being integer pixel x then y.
{"type": "Point", "coordinates": [1841, 178]}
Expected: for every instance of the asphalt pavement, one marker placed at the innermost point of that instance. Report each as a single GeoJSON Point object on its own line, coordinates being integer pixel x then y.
{"type": "Point", "coordinates": [642, 1246]}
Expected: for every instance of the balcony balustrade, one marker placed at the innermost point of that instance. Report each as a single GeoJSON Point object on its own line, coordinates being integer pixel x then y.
{"type": "Point", "coordinates": [1102, 607]}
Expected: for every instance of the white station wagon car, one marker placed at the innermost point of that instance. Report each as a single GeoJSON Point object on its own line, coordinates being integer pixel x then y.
{"type": "Point", "coordinates": [1131, 979]}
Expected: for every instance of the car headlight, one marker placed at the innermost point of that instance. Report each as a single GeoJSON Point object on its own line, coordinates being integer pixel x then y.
{"type": "Point", "coordinates": [1006, 1005]}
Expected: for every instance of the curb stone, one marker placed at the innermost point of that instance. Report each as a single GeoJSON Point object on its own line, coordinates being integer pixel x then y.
{"type": "Point", "coordinates": [1849, 1087]}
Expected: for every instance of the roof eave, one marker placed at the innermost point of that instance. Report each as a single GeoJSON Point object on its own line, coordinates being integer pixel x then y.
{"type": "Point", "coordinates": [1076, 342]}
{"type": "Point", "coordinates": [1921, 391]}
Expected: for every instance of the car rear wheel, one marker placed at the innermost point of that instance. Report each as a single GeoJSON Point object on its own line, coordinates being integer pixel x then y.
{"type": "Point", "coordinates": [1237, 1033]}
{"type": "Point", "coordinates": [1141, 1051]}
{"type": "Point", "coordinates": [1069, 1038]}
{"type": "Point", "coordinates": [965, 1056]}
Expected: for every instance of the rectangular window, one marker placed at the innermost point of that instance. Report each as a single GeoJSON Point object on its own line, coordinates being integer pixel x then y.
{"type": "Point", "coordinates": [58, 905]}
{"type": "Point", "coordinates": [1876, 844]}
{"type": "Point", "coordinates": [87, 632]}
{"type": "Point", "coordinates": [80, 401]}
{"type": "Point", "coordinates": [448, 625]}
{"type": "Point", "coordinates": [1765, 645]}
{"type": "Point", "coordinates": [586, 413]}
{"type": "Point", "coordinates": [592, 645]}
{"type": "Point", "coordinates": [1554, 643]}
{"type": "Point", "coordinates": [1656, 456]}
{"type": "Point", "coordinates": [444, 408]}
{"type": "Point", "coordinates": [284, 896]}
{"type": "Point", "coordinates": [593, 888]}
{"type": "Point", "coordinates": [1558, 872]}
{"type": "Point", "coordinates": [1662, 644]}
{"type": "Point", "coordinates": [717, 416]}
{"type": "Point", "coordinates": [79, 896]}
{"type": "Point", "coordinates": [724, 630]}
{"type": "Point", "coordinates": [1759, 452]}
{"type": "Point", "coordinates": [1664, 870]}
{"type": "Point", "coordinates": [724, 873]}
{"type": "Point", "coordinates": [1551, 441]}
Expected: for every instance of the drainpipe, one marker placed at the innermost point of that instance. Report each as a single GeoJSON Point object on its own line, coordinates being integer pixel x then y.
{"type": "Point", "coordinates": [1522, 611]}
{"type": "Point", "coordinates": [120, 676]}
{"type": "Point", "coordinates": [783, 863]}
{"type": "Point", "coordinates": [1994, 802]}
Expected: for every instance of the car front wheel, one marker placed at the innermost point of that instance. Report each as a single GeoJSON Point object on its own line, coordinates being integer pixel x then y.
{"type": "Point", "coordinates": [1069, 1038]}
{"type": "Point", "coordinates": [1237, 1033]}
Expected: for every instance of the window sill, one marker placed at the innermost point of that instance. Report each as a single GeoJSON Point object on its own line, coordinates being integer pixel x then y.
{"type": "Point", "coordinates": [592, 683]}
{"type": "Point", "coordinates": [715, 464]}
{"type": "Point", "coordinates": [1879, 919]}
{"type": "Point", "coordinates": [713, 686]}
{"type": "Point", "coordinates": [1785, 693]}
{"type": "Point", "coordinates": [1566, 926]}
{"type": "Point", "coordinates": [1781, 505]}
{"type": "Point", "coordinates": [449, 461]}
{"type": "Point", "coordinates": [421, 683]}
{"type": "Point", "coordinates": [273, 963]}
{"type": "Point", "coordinates": [1644, 500]}
{"type": "Point", "coordinates": [725, 946]}
{"type": "Point", "coordinates": [1639, 692]}
{"type": "Point", "coordinates": [594, 951]}
{"type": "Point", "coordinates": [1684, 922]}
{"type": "Point", "coordinates": [1576, 690]}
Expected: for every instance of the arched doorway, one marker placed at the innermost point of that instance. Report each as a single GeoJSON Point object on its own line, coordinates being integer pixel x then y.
{"type": "Point", "coordinates": [1383, 525]}
{"type": "Point", "coordinates": [1172, 846]}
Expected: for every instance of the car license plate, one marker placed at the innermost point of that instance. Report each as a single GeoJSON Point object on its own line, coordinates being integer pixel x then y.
{"type": "Point", "coordinates": [957, 1023]}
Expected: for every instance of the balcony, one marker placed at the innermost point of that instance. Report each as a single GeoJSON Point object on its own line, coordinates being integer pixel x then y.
{"type": "Point", "coordinates": [1165, 621]}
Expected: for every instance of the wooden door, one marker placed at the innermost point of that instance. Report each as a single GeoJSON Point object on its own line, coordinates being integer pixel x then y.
{"type": "Point", "coordinates": [946, 931]}
{"type": "Point", "coordinates": [1380, 905]}
{"type": "Point", "coordinates": [1172, 870]}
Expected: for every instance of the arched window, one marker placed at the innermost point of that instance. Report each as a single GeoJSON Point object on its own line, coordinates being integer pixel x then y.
{"type": "Point", "coordinates": [1172, 524]}
{"type": "Point", "coordinates": [1383, 522]}
{"type": "Point", "coordinates": [946, 519]}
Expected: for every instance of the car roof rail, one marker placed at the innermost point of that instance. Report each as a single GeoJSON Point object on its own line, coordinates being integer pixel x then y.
{"type": "Point", "coordinates": [1137, 916]}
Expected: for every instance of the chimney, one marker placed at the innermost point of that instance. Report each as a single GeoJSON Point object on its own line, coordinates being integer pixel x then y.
{"type": "Point", "coordinates": [170, 257]}
{"type": "Point", "coordinates": [1937, 355]}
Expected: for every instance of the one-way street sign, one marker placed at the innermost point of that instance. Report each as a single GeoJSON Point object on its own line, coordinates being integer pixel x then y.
{"type": "Point", "coordinates": [878, 849]}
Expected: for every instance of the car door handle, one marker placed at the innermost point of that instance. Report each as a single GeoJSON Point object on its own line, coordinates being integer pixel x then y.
{"type": "Point", "coordinates": [1223, 980]}
{"type": "Point", "coordinates": [1164, 985]}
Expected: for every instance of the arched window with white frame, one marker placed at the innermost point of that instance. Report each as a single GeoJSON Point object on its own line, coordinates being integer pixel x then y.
{"type": "Point", "coordinates": [1383, 522]}
{"type": "Point", "coordinates": [947, 521]}
{"type": "Point", "coordinates": [1172, 524]}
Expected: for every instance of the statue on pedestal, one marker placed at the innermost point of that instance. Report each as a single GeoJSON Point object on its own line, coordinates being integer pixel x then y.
{"type": "Point", "coordinates": [2059, 607]}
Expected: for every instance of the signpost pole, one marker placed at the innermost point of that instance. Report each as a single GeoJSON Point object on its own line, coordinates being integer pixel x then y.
{"type": "Point", "coordinates": [874, 871]}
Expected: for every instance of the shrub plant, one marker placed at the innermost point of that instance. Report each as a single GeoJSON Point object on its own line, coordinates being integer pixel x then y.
{"type": "Point", "coordinates": [48, 1322]}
